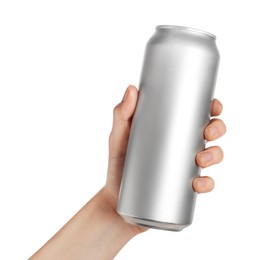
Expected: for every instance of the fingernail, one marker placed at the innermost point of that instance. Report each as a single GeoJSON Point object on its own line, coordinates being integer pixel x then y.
{"type": "Point", "coordinates": [213, 130]}
{"type": "Point", "coordinates": [200, 183]}
{"type": "Point", "coordinates": [206, 157]}
{"type": "Point", "coordinates": [125, 94]}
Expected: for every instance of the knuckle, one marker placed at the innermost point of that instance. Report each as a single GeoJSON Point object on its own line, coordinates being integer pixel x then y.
{"type": "Point", "coordinates": [111, 137]}
{"type": "Point", "coordinates": [115, 110]}
{"type": "Point", "coordinates": [199, 160]}
{"type": "Point", "coordinates": [198, 155]}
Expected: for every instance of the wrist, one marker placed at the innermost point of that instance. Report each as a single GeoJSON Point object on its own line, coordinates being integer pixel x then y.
{"type": "Point", "coordinates": [107, 205]}
{"type": "Point", "coordinates": [109, 230]}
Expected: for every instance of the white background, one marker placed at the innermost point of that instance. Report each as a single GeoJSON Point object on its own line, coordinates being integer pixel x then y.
{"type": "Point", "coordinates": [64, 65]}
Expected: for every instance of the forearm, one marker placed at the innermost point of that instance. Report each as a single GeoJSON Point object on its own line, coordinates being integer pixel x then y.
{"type": "Point", "coordinates": [95, 232]}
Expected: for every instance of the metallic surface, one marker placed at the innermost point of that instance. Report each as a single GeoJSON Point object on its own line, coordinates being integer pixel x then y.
{"type": "Point", "coordinates": [175, 94]}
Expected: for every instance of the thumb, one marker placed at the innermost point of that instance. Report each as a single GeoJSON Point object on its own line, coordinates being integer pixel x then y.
{"type": "Point", "coordinates": [118, 141]}
{"type": "Point", "coordinates": [122, 117]}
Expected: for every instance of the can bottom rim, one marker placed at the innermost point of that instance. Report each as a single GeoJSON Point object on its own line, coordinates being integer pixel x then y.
{"type": "Point", "coordinates": [153, 223]}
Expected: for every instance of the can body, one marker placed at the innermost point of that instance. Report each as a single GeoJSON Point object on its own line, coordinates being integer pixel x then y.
{"type": "Point", "coordinates": [175, 94]}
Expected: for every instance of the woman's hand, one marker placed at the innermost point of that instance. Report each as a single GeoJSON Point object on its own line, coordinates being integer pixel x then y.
{"type": "Point", "coordinates": [97, 231]}
{"type": "Point", "coordinates": [118, 141]}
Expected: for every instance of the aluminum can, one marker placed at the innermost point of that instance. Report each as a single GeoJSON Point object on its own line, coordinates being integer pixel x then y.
{"type": "Point", "coordinates": [175, 95]}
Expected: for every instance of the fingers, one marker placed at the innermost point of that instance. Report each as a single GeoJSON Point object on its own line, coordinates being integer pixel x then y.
{"type": "Point", "coordinates": [122, 116]}
{"type": "Point", "coordinates": [214, 130]}
{"type": "Point", "coordinates": [216, 127]}
{"type": "Point", "coordinates": [216, 107]}
{"type": "Point", "coordinates": [209, 156]}
{"type": "Point", "coordinates": [212, 155]}
{"type": "Point", "coordinates": [203, 184]}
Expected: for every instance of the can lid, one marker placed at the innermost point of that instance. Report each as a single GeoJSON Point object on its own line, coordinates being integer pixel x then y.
{"type": "Point", "coordinates": [186, 29]}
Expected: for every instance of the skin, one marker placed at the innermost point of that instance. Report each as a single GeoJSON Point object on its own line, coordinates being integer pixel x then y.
{"type": "Point", "coordinates": [97, 231]}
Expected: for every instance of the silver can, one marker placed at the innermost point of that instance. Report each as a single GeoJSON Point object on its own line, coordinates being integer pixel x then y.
{"type": "Point", "coordinates": [175, 94]}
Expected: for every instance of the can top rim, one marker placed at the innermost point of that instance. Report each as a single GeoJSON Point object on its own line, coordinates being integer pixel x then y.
{"type": "Point", "coordinates": [185, 28]}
